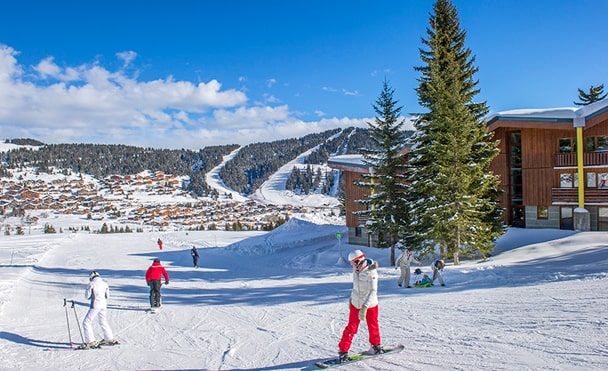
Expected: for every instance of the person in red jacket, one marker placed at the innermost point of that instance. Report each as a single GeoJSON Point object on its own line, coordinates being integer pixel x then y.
{"type": "Point", "coordinates": [154, 276]}
{"type": "Point", "coordinates": [160, 244]}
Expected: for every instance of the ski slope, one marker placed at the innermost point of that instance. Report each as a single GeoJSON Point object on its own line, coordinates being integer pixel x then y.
{"type": "Point", "coordinates": [279, 301]}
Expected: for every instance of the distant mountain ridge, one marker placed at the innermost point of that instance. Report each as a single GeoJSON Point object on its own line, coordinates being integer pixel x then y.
{"type": "Point", "coordinates": [244, 173]}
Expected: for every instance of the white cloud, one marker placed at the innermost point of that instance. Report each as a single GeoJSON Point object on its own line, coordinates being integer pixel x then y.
{"type": "Point", "coordinates": [271, 82]}
{"type": "Point", "coordinates": [127, 57]}
{"type": "Point", "coordinates": [348, 92]}
{"type": "Point", "coordinates": [329, 89]}
{"type": "Point", "coordinates": [91, 104]}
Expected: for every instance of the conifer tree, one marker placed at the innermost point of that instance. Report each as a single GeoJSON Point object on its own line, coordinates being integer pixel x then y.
{"type": "Point", "coordinates": [596, 93]}
{"type": "Point", "coordinates": [386, 209]}
{"type": "Point", "coordinates": [452, 194]}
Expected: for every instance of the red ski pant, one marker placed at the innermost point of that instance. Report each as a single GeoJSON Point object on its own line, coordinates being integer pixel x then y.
{"type": "Point", "coordinates": [371, 318]}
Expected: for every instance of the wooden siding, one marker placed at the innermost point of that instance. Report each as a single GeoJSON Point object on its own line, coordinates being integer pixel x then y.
{"type": "Point", "coordinates": [597, 125]}
{"type": "Point", "coordinates": [351, 194]}
{"type": "Point", "coordinates": [570, 195]}
{"type": "Point", "coordinates": [500, 164]}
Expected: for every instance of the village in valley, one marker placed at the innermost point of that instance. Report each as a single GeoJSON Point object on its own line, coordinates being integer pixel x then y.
{"type": "Point", "coordinates": [150, 200]}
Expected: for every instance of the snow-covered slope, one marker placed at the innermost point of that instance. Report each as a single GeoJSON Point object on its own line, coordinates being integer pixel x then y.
{"type": "Point", "coordinates": [279, 301]}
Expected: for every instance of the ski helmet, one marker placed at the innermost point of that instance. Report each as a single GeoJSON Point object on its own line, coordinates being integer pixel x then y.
{"type": "Point", "coordinates": [355, 255]}
{"type": "Point", "coordinates": [358, 260]}
{"type": "Point", "coordinates": [92, 275]}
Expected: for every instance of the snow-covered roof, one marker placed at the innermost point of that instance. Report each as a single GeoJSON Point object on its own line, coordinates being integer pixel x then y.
{"type": "Point", "coordinates": [347, 160]}
{"type": "Point", "coordinates": [569, 114]}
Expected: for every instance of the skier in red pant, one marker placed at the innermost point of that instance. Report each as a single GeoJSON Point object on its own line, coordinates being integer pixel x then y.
{"type": "Point", "coordinates": [363, 304]}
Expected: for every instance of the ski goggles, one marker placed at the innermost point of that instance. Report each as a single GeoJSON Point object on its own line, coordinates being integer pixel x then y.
{"type": "Point", "coordinates": [359, 264]}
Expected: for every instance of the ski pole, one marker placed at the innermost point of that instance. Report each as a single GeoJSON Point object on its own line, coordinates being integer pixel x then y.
{"type": "Point", "coordinates": [67, 320]}
{"type": "Point", "coordinates": [77, 321]}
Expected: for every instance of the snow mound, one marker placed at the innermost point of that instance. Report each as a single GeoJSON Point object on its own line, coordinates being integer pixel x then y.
{"type": "Point", "coordinates": [294, 234]}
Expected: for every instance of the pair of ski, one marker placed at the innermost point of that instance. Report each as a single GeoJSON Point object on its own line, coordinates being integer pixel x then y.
{"type": "Point", "coordinates": [335, 362]}
{"type": "Point", "coordinates": [97, 345]}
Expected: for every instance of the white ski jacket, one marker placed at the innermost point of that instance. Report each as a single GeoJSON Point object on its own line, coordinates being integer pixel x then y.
{"type": "Point", "coordinates": [365, 287]}
{"type": "Point", "coordinates": [98, 292]}
{"type": "Point", "coordinates": [404, 260]}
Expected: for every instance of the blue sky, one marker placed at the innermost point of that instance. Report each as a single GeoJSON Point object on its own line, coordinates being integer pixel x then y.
{"type": "Point", "coordinates": [189, 74]}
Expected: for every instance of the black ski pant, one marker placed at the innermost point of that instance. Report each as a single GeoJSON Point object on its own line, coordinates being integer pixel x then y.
{"type": "Point", "coordinates": [154, 293]}
{"type": "Point", "coordinates": [195, 261]}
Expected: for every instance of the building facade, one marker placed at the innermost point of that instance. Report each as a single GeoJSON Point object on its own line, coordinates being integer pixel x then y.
{"type": "Point", "coordinates": [553, 166]}
{"type": "Point", "coordinates": [553, 163]}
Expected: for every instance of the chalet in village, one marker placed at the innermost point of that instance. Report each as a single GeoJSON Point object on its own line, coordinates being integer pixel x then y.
{"type": "Point", "coordinates": [553, 165]}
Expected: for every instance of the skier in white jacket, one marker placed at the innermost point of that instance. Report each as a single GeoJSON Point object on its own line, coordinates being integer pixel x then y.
{"type": "Point", "coordinates": [363, 304]}
{"type": "Point", "coordinates": [403, 261]}
{"type": "Point", "coordinates": [98, 292]}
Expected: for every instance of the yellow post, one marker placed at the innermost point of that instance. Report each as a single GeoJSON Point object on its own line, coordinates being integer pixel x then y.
{"type": "Point", "coordinates": [581, 174]}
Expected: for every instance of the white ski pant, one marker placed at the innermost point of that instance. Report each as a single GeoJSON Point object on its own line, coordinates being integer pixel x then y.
{"type": "Point", "coordinates": [404, 277]}
{"type": "Point", "coordinates": [87, 325]}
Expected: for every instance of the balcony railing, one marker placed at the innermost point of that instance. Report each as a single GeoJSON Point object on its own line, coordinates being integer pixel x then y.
{"type": "Point", "coordinates": [592, 195]}
{"type": "Point", "coordinates": [589, 159]}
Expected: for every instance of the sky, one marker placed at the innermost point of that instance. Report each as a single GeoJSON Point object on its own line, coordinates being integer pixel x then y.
{"type": "Point", "coordinates": [191, 74]}
{"type": "Point", "coordinates": [278, 301]}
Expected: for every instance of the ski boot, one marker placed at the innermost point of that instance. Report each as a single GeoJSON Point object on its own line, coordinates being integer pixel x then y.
{"type": "Point", "coordinates": [343, 357]}
{"type": "Point", "coordinates": [378, 349]}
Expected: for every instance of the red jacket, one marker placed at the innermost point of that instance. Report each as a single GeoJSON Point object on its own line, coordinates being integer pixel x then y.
{"type": "Point", "coordinates": [155, 271]}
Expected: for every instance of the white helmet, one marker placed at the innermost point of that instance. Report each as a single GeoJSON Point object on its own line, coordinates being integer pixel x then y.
{"type": "Point", "coordinates": [92, 275]}
{"type": "Point", "coordinates": [355, 255]}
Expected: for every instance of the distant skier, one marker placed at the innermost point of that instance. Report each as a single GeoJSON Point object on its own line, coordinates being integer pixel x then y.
{"type": "Point", "coordinates": [437, 268]}
{"type": "Point", "coordinates": [98, 292]}
{"type": "Point", "coordinates": [363, 304]}
{"type": "Point", "coordinates": [160, 244]}
{"type": "Point", "coordinates": [194, 254]}
{"type": "Point", "coordinates": [403, 261]}
{"type": "Point", "coordinates": [154, 275]}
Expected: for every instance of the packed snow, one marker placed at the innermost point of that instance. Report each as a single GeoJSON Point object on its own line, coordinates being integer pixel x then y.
{"type": "Point", "coordinates": [279, 301]}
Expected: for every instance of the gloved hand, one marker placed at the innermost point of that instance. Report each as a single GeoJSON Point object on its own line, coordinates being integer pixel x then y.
{"type": "Point", "coordinates": [362, 313]}
{"type": "Point", "coordinates": [166, 282]}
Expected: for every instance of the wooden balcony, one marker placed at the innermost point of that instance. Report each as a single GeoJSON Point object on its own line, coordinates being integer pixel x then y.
{"type": "Point", "coordinates": [570, 195]}
{"type": "Point", "coordinates": [589, 159]}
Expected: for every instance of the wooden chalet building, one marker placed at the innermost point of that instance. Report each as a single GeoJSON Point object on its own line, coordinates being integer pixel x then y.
{"type": "Point", "coordinates": [553, 165]}
{"type": "Point", "coordinates": [539, 166]}
{"type": "Point", "coordinates": [352, 168]}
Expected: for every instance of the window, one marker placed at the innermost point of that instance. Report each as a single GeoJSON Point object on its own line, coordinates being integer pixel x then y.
{"type": "Point", "coordinates": [565, 180]}
{"type": "Point", "coordinates": [591, 180]}
{"type": "Point", "coordinates": [596, 144]}
{"type": "Point", "coordinates": [566, 145]}
{"type": "Point", "coordinates": [566, 220]}
{"type": "Point", "coordinates": [602, 219]}
{"type": "Point", "coordinates": [358, 231]}
{"type": "Point", "coordinates": [589, 144]}
{"type": "Point", "coordinates": [542, 212]}
{"type": "Point", "coordinates": [602, 180]}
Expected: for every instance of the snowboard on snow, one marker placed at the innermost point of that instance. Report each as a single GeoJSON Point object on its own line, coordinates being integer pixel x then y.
{"type": "Point", "coordinates": [335, 362]}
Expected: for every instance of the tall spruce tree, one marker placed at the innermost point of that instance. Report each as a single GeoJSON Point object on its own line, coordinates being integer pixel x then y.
{"type": "Point", "coordinates": [453, 195]}
{"type": "Point", "coordinates": [596, 93]}
{"type": "Point", "coordinates": [386, 208]}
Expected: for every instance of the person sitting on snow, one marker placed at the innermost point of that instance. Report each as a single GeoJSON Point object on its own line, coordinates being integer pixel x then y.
{"type": "Point", "coordinates": [424, 282]}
